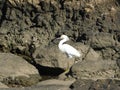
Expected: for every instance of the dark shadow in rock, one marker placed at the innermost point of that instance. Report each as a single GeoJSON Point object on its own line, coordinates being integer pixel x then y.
{"type": "Point", "coordinates": [3, 8]}
{"type": "Point", "coordinates": [47, 71]}
{"type": "Point", "coordinates": [118, 1]}
{"type": "Point", "coordinates": [83, 37]}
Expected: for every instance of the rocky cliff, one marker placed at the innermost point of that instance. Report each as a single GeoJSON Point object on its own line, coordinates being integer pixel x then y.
{"type": "Point", "coordinates": [28, 28]}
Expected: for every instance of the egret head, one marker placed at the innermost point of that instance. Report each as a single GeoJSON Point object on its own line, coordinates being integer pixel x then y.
{"type": "Point", "coordinates": [64, 37]}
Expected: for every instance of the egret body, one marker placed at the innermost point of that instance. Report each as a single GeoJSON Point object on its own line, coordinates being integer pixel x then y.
{"type": "Point", "coordinates": [66, 48]}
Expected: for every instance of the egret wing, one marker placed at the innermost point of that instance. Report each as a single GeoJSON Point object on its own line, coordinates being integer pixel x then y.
{"type": "Point", "coordinates": [71, 50]}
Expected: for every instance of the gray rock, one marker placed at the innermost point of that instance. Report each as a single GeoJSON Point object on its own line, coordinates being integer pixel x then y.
{"type": "Point", "coordinates": [105, 84]}
{"type": "Point", "coordinates": [3, 85]}
{"type": "Point", "coordinates": [80, 84]}
{"type": "Point", "coordinates": [15, 69]}
{"type": "Point", "coordinates": [103, 40]}
{"type": "Point", "coordinates": [56, 82]}
{"type": "Point", "coordinates": [49, 87]}
{"type": "Point", "coordinates": [52, 84]}
{"type": "Point", "coordinates": [52, 57]}
{"type": "Point", "coordinates": [12, 65]}
{"type": "Point", "coordinates": [101, 69]}
{"type": "Point", "coordinates": [26, 24]}
{"type": "Point", "coordinates": [88, 53]}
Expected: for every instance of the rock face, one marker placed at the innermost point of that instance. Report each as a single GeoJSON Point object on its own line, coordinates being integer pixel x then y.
{"type": "Point", "coordinates": [28, 24]}
{"type": "Point", "coordinates": [14, 68]}
{"type": "Point", "coordinates": [55, 84]}
{"type": "Point", "coordinates": [97, 85]}
{"type": "Point", "coordinates": [12, 65]}
{"type": "Point", "coordinates": [3, 86]}
{"type": "Point", "coordinates": [95, 69]}
{"type": "Point", "coordinates": [28, 27]}
{"type": "Point", "coordinates": [53, 57]}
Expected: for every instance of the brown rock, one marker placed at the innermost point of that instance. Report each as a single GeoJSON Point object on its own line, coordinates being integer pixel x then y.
{"type": "Point", "coordinates": [106, 84]}
{"type": "Point", "coordinates": [15, 69]}
{"type": "Point", "coordinates": [101, 69]}
{"type": "Point", "coordinates": [52, 57]}
{"type": "Point", "coordinates": [3, 85]}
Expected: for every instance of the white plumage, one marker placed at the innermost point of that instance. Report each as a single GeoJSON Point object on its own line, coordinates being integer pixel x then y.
{"type": "Point", "coordinates": [66, 48]}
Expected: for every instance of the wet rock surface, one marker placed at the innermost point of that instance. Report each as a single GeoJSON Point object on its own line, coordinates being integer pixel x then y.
{"type": "Point", "coordinates": [28, 29]}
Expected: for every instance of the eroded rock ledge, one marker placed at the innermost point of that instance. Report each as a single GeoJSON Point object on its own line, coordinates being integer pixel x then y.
{"type": "Point", "coordinates": [29, 26]}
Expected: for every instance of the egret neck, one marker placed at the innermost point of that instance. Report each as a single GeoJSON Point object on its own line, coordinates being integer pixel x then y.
{"type": "Point", "coordinates": [61, 44]}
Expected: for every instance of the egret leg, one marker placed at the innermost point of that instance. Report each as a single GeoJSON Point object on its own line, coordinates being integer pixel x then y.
{"type": "Point", "coordinates": [63, 75]}
{"type": "Point", "coordinates": [68, 65]}
{"type": "Point", "coordinates": [68, 68]}
{"type": "Point", "coordinates": [66, 71]}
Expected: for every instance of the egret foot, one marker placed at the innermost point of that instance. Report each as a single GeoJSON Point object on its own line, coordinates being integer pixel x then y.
{"type": "Point", "coordinates": [63, 76]}
{"type": "Point", "coordinates": [67, 71]}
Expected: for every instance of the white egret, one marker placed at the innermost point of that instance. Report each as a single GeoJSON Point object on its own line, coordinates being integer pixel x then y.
{"type": "Point", "coordinates": [69, 50]}
{"type": "Point", "coordinates": [66, 48]}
